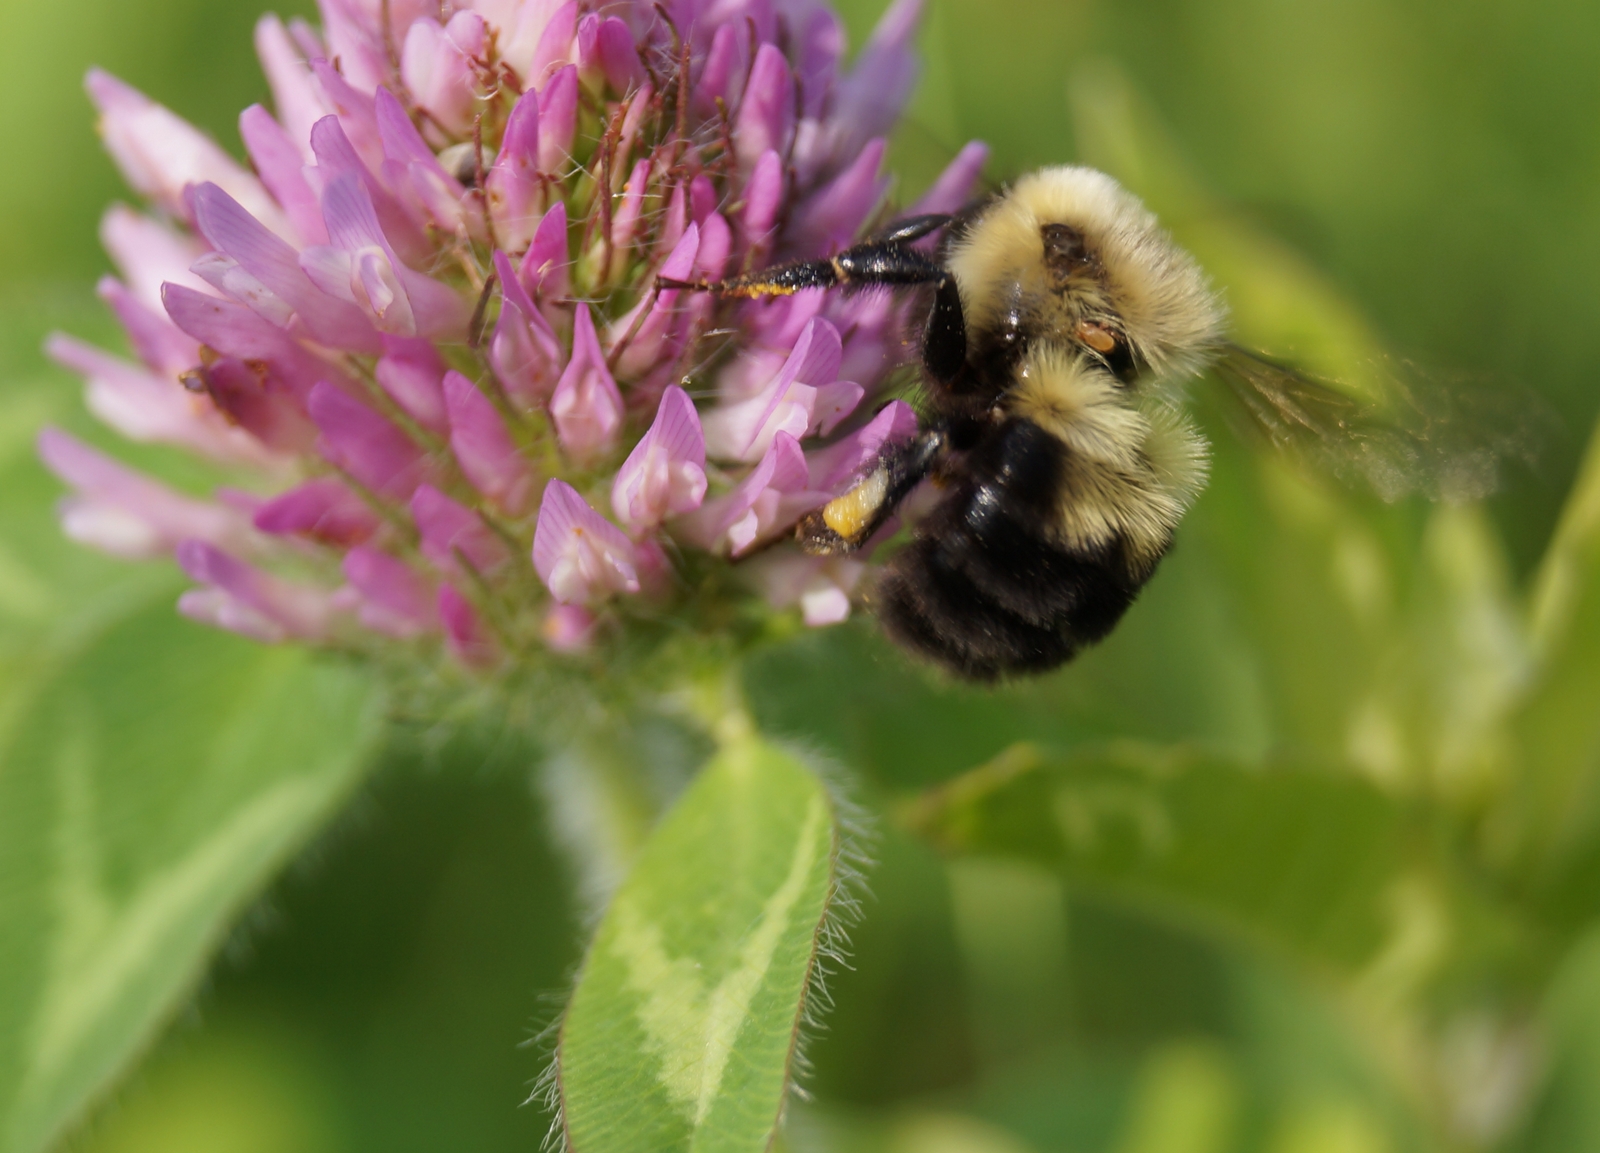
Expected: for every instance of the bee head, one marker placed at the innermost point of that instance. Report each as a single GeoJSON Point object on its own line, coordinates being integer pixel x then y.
{"type": "Point", "coordinates": [1068, 257]}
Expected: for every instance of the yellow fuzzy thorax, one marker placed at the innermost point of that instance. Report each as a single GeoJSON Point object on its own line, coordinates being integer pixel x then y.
{"type": "Point", "coordinates": [1144, 287]}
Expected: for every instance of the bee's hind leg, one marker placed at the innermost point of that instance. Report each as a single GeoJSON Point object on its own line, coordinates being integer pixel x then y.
{"type": "Point", "coordinates": [845, 523]}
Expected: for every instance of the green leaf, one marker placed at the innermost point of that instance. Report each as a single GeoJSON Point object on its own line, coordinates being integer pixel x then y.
{"type": "Point", "coordinates": [682, 1031]}
{"type": "Point", "coordinates": [1305, 862]}
{"type": "Point", "coordinates": [153, 775]}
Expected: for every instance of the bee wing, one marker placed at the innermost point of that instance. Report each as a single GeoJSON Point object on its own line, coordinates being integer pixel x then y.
{"type": "Point", "coordinates": [1424, 438]}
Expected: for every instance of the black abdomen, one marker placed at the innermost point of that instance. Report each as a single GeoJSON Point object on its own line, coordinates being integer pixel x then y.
{"type": "Point", "coordinates": [985, 588]}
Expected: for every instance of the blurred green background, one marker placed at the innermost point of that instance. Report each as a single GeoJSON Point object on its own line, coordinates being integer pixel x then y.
{"type": "Point", "coordinates": [1438, 164]}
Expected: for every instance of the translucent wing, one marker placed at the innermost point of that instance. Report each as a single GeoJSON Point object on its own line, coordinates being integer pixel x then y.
{"type": "Point", "coordinates": [1443, 442]}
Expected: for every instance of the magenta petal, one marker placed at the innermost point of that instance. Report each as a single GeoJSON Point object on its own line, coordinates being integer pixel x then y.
{"type": "Point", "coordinates": [834, 214]}
{"type": "Point", "coordinates": [161, 154]}
{"type": "Point", "coordinates": [232, 329]}
{"type": "Point", "coordinates": [835, 468]}
{"type": "Point", "coordinates": [366, 445]}
{"type": "Point", "coordinates": [665, 474]}
{"type": "Point", "coordinates": [558, 121]}
{"type": "Point", "coordinates": [281, 165]}
{"type": "Point", "coordinates": [483, 448]}
{"type": "Point", "coordinates": [654, 344]}
{"type": "Point", "coordinates": [721, 74]}
{"type": "Point", "coordinates": [411, 371]}
{"type": "Point", "coordinates": [469, 641]}
{"type": "Point", "coordinates": [256, 398]}
{"type": "Point", "coordinates": [414, 170]}
{"type": "Point", "coordinates": [626, 217]}
{"type": "Point", "coordinates": [580, 556]}
{"type": "Point", "coordinates": [568, 628]}
{"type": "Point", "coordinates": [450, 532]}
{"type": "Point", "coordinates": [769, 500]}
{"type": "Point", "coordinates": [148, 253]}
{"type": "Point", "coordinates": [125, 513]}
{"type": "Point", "coordinates": [323, 509]}
{"type": "Point", "coordinates": [953, 189]}
{"type": "Point", "coordinates": [295, 95]}
{"type": "Point", "coordinates": [516, 192]}
{"type": "Point", "coordinates": [355, 114]}
{"type": "Point", "coordinates": [557, 45]}
{"type": "Point", "coordinates": [251, 601]}
{"type": "Point", "coordinates": [524, 352]}
{"type": "Point", "coordinates": [436, 65]}
{"type": "Point", "coordinates": [159, 343]}
{"type": "Point", "coordinates": [763, 197]}
{"type": "Point", "coordinates": [586, 406]}
{"type": "Point", "coordinates": [766, 116]}
{"type": "Point", "coordinates": [544, 272]}
{"type": "Point", "coordinates": [337, 158]}
{"type": "Point", "coordinates": [396, 599]}
{"type": "Point", "coordinates": [618, 58]}
{"type": "Point", "coordinates": [871, 99]}
{"type": "Point", "coordinates": [234, 231]}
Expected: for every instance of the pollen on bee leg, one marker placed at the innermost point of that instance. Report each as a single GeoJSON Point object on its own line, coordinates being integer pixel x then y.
{"type": "Point", "coordinates": [853, 513]}
{"type": "Point", "coordinates": [1096, 336]}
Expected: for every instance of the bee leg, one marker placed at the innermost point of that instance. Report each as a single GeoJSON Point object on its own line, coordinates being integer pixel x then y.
{"type": "Point", "coordinates": [912, 228]}
{"type": "Point", "coordinates": [845, 523]}
{"type": "Point", "coordinates": [871, 263]}
{"type": "Point", "coordinates": [944, 337]}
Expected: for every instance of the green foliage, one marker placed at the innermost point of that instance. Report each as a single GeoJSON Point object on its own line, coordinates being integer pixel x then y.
{"type": "Point", "coordinates": [156, 774]}
{"type": "Point", "coordinates": [683, 1026]}
{"type": "Point", "coordinates": [1303, 861]}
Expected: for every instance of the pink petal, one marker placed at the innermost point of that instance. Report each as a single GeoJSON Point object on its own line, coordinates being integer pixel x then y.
{"type": "Point", "coordinates": [618, 59]}
{"type": "Point", "coordinates": [396, 599]}
{"type": "Point", "coordinates": [411, 371]}
{"type": "Point", "coordinates": [556, 46]}
{"type": "Point", "coordinates": [160, 154]}
{"type": "Point", "coordinates": [243, 598]}
{"type": "Point", "coordinates": [232, 329]}
{"type": "Point", "coordinates": [872, 97]}
{"type": "Point", "coordinates": [586, 406]}
{"type": "Point", "coordinates": [665, 474]}
{"type": "Point", "coordinates": [323, 509]}
{"type": "Point", "coordinates": [336, 159]}
{"type": "Point", "coordinates": [580, 556]}
{"type": "Point", "coordinates": [821, 586]}
{"type": "Point", "coordinates": [763, 197]}
{"type": "Point", "coordinates": [469, 641]}
{"type": "Point", "coordinates": [558, 121]}
{"type": "Point", "coordinates": [515, 191]}
{"type": "Point", "coordinates": [766, 115]}
{"type": "Point", "coordinates": [654, 342]}
{"type": "Point", "coordinates": [545, 270]}
{"type": "Point", "coordinates": [159, 343]}
{"type": "Point", "coordinates": [125, 513]}
{"type": "Point", "coordinates": [436, 65]}
{"type": "Point", "coordinates": [835, 468]}
{"type": "Point", "coordinates": [569, 628]}
{"type": "Point", "coordinates": [835, 213]}
{"type": "Point", "coordinates": [280, 164]}
{"type": "Point", "coordinates": [148, 253]}
{"type": "Point", "coordinates": [524, 352]}
{"type": "Point", "coordinates": [367, 446]}
{"type": "Point", "coordinates": [145, 407]}
{"type": "Point", "coordinates": [294, 93]}
{"type": "Point", "coordinates": [953, 189]}
{"type": "Point", "coordinates": [256, 399]}
{"type": "Point", "coordinates": [451, 532]}
{"type": "Point", "coordinates": [413, 170]}
{"type": "Point", "coordinates": [768, 501]}
{"type": "Point", "coordinates": [483, 448]}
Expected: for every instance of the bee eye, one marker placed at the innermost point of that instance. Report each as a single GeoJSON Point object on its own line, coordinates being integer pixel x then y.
{"type": "Point", "coordinates": [1065, 251]}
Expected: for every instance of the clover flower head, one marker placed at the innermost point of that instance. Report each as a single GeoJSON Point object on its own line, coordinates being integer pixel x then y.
{"type": "Point", "coordinates": [424, 323]}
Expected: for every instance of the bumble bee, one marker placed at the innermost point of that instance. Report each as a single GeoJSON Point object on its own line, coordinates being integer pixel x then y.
{"type": "Point", "coordinates": [1063, 323]}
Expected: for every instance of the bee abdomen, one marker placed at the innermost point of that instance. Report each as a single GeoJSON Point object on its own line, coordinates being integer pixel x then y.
{"type": "Point", "coordinates": [987, 588]}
